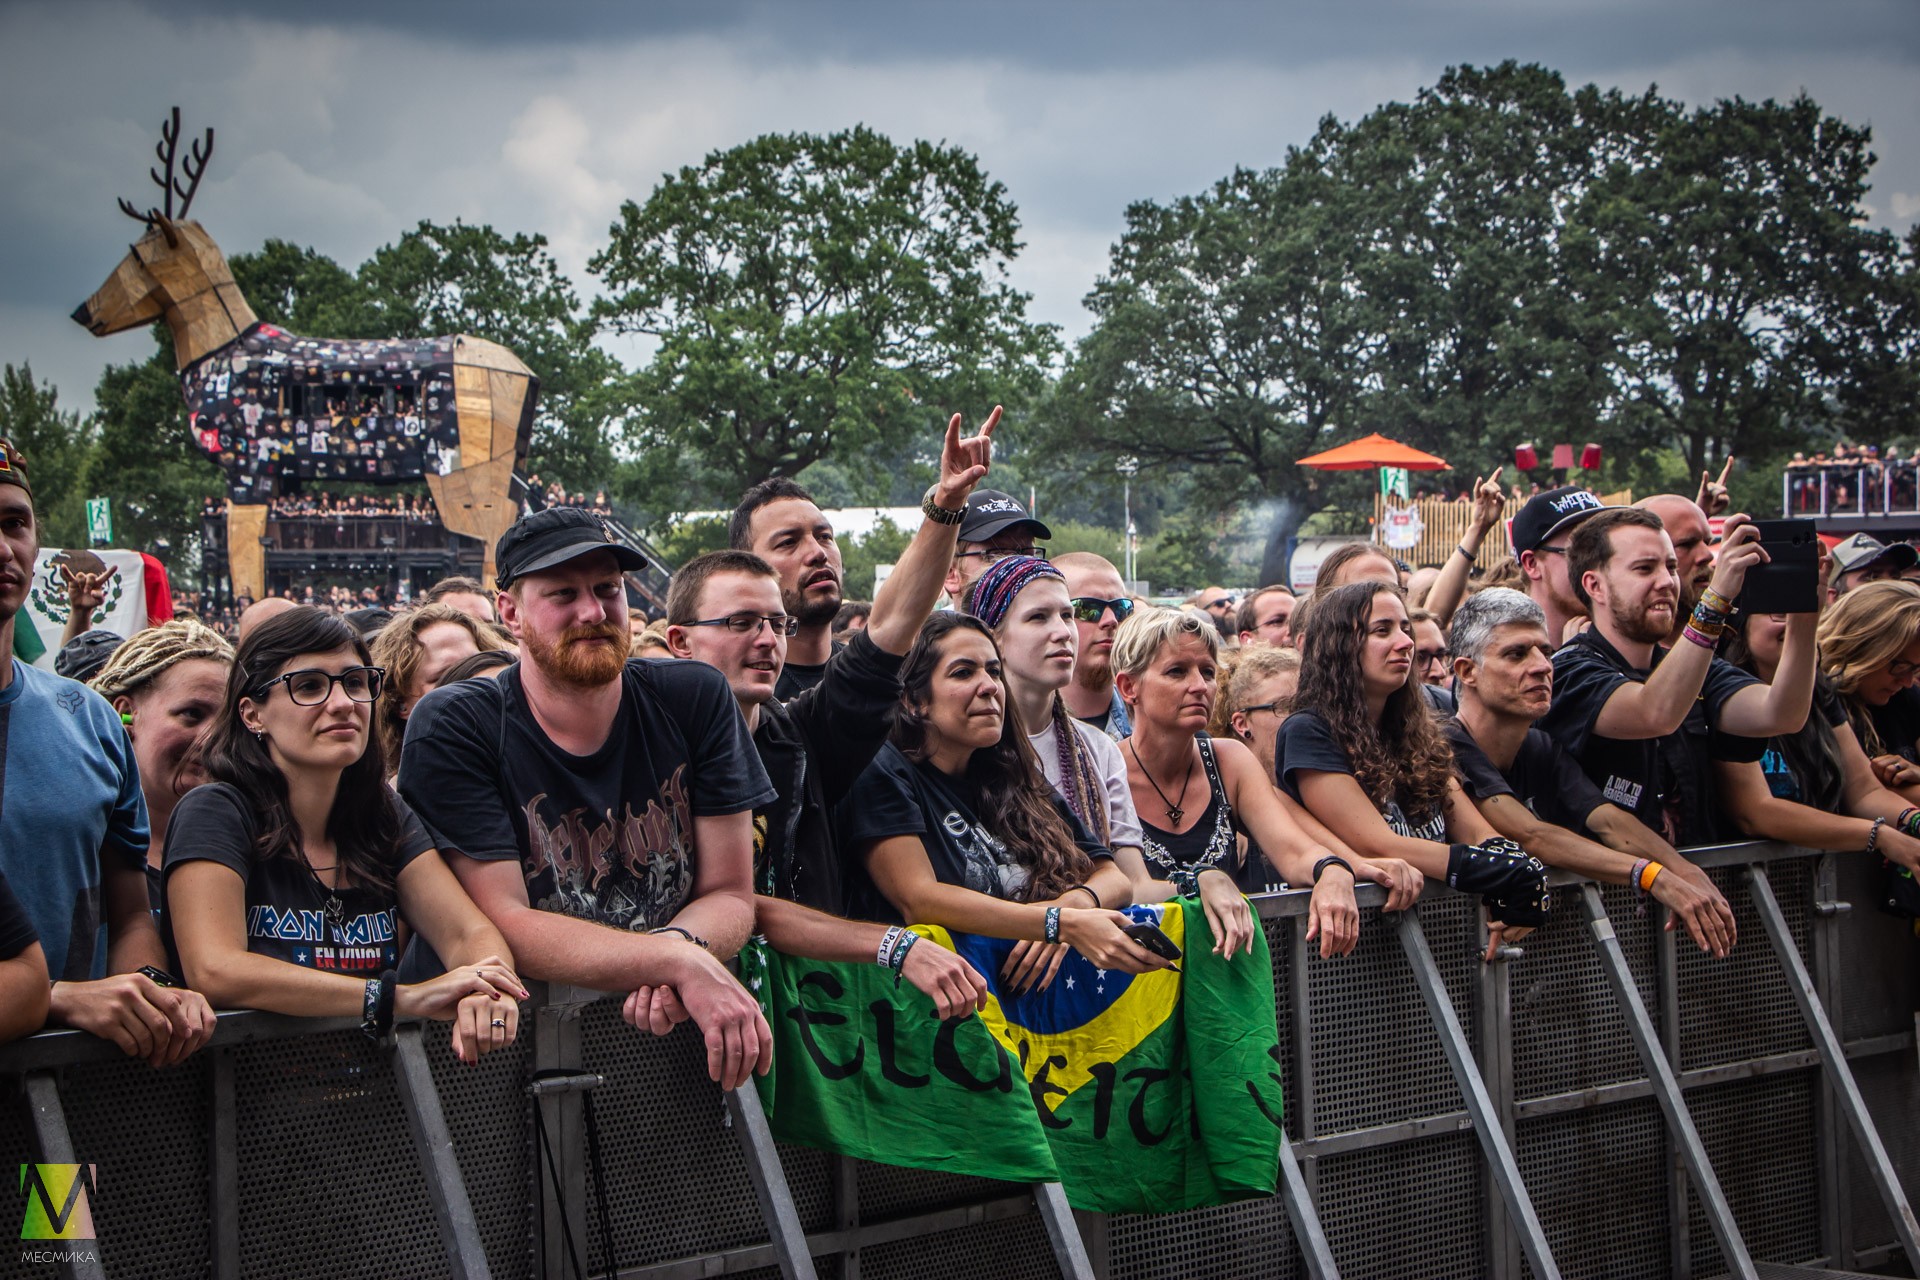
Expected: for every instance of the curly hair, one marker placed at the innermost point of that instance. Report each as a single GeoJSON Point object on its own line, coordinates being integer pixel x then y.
{"type": "Point", "coordinates": [397, 648]}
{"type": "Point", "coordinates": [1012, 789]}
{"type": "Point", "coordinates": [1404, 758]}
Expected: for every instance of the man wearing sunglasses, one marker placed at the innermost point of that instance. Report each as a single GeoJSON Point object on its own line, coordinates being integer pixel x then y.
{"type": "Point", "coordinates": [73, 834]}
{"type": "Point", "coordinates": [996, 526]}
{"type": "Point", "coordinates": [601, 809]}
{"type": "Point", "coordinates": [1100, 605]}
{"type": "Point", "coordinates": [726, 609]}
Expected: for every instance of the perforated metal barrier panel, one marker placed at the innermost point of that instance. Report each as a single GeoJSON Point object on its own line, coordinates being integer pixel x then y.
{"type": "Point", "coordinates": [330, 1181]}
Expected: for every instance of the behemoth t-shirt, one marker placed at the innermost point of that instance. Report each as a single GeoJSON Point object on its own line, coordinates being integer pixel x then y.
{"type": "Point", "coordinates": [897, 797]}
{"type": "Point", "coordinates": [1542, 777]}
{"type": "Point", "coordinates": [288, 910]}
{"type": "Point", "coordinates": [1307, 742]}
{"type": "Point", "coordinates": [605, 837]}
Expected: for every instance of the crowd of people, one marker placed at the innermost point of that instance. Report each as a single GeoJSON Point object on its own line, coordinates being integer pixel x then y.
{"type": "Point", "coordinates": [396, 506]}
{"type": "Point", "coordinates": [1853, 478]}
{"type": "Point", "coordinates": [410, 816]}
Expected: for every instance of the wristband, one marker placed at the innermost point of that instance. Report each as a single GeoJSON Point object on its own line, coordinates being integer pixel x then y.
{"type": "Point", "coordinates": [897, 962]}
{"type": "Point", "coordinates": [1462, 549]}
{"type": "Point", "coordinates": [1053, 924]}
{"type": "Point", "coordinates": [685, 933]}
{"type": "Point", "coordinates": [1909, 819]}
{"type": "Point", "coordinates": [1633, 877]}
{"type": "Point", "coordinates": [1088, 890]}
{"type": "Point", "coordinates": [370, 1009]}
{"type": "Point", "coordinates": [1331, 860]}
{"type": "Point", "coordinates": [1699, 637]}
{"type": "Point", "coordinates": [937, 513]}
{"type": "Point", "coordinates": [1186, 883]}
{"type": "Point", "coordinates": [1873, 835]}
{"type": "Point", "coordinates": [887, 941]}
{"type": "Point", "coordinates": [1648, 874]}
{"type": "Point", "coordinates": [1716, 602]}
{"type": "Point", "coordinates": [389, 997]}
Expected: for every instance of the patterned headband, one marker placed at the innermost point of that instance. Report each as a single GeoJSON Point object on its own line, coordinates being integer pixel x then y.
{"type": "Point", "coordinates": [1004, 579]}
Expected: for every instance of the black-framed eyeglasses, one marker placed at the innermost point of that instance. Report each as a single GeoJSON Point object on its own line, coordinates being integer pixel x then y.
{"type": "Point", "coordinates": [1903, 670]}
{"type": "Point", "coordinates": [994, 555]}
{"type": "Point", "coordinates": [309, 687]}
{"type": "Point", "coordinates": [1092, 608]}
{"type": "Point", "coordinates": [1275, 707]}
{"type": "Point", "coordinates": [783, 624]}
{"type": "Point", "coordinates": [1430, 655]}
{"type": "Point", "coordinates": [1549, 551]}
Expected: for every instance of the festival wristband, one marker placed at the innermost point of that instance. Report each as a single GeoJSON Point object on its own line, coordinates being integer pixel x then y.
{"type": "Point", "coordinates": [1053, 924]}
{"type": "Point", "coordinates": [370, 1009]}
{"type": "Point", "coordinates": [1699, 637]}
{"type": "Point", "coordinates": [1185, 883]}
{"type": "Point", "coordinates": [887, 942]}
{"type": "Point", "coordinates": [1648, 874]}
{"type": "Point", "coordinates": [389, 997]}
{"type": "Point", "coordinates": [898, 961]}
{"type": "Point", "coordinates": [1715, 601]}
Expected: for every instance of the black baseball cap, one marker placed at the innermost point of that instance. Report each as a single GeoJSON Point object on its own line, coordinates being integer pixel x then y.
{"type": "Point", "coordinates": [82, 657]}
{"type": "Point", "coordinates": [553, 537]}
{"type": "Point", "coordinates": [1546, 514]}
{"type": "Point", "coordinates": [990, 512]}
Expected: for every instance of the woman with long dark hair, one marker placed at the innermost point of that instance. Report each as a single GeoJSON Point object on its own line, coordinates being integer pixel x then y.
{"type": "Point", "coordinates": [956, 826]}
{"type": "Point", "coordinates": [1363, 753]}
{"type": "Point", "coordinates": [1024, 600]}
{"type": "Point", "coordinates": [1195, 792]}
{"type": "Point", "coordinates": [292, 879]}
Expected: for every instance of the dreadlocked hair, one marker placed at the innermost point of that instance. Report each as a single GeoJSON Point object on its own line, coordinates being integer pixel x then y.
{"type": "Point", "coordinates": [1014, 796]}
{"type": "Point", "coordinates": [152, 652]}
{"type": "Point", "coordinates": [1404, 758]}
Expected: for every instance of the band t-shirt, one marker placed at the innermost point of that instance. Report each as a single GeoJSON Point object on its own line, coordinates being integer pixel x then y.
{"type": "Point", "coordinates": [1306, 742]}
{"type": "Point", "coordinates": [289, 916]}
{"type": "Point", "coordinates": [606, 836]}
{"type": "Point", "coordinates": [1665, 782]}
{"type": "Point", "coordinates": [897, 797]}
{"type": "Point", "coordinates": [1542, 777]}
{"type": "Point", "coordinates": [16, 931]}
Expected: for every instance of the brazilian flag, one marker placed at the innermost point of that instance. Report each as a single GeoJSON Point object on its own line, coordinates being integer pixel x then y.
{"type": "Point", "coordinates": [1140, 1094]}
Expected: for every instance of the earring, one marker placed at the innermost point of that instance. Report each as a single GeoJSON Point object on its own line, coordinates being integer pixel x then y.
{"type": "Point", "coordinates": [260, 736]}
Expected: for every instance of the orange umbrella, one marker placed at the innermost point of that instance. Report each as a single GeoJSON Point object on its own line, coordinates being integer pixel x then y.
{"type": "Point", "coordinates": [1375, 451]}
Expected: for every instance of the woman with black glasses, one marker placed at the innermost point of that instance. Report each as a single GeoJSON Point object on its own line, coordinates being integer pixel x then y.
{"type": "Point", "coordinates": [293, 878]}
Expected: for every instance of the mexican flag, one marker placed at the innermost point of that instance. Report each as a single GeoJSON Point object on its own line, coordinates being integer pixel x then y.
{"type": "Point", "coordinates": [1143, 1094]}
{"type": "Point", "coordinates": [38, 625]}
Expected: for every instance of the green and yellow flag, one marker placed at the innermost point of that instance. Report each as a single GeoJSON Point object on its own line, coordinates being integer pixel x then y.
{"type": "Point", "coordinates": [1140, 1094]}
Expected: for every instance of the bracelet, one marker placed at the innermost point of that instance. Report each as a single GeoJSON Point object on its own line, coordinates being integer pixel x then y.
{"type": "Point", "coordinates": [1331, 860]}
{"type": "Point", "coordinates": [685, 933]}
{"type": "Point", "coordinates": [1053, 924]}
{"type": "Point", "coordinates": [1699, 637]}
{"type": "Point", "coordinates": [888, 940]}
{"type": "Point", "coordinates": [897, 962]}
{"type": "Point", "coordinates": [1909, 819]}
{"type": "Point", "coordinates": [1873, 835]}
{"type": "Point", "coordinates": [370, 1008]}
{"type": "Point", "coordinates": [159, 977]}
{"type": "Point", "coordinates": [1186, 883]}
{"type": "Point", "coordinates": [937, 513]}
{"type": "Point", "coordinates": [1633, 877]}
{"type": "Point", "coordinates": [1086, 889]}
{"type": "Point", "coordinates": [1462, 549]}
{"type": "Point", "coordinates": [1648, 874]}
{"type": "Point", "coordinates": [1711, 621]}
{"type": "Point", "coordinates": [1716, 602]}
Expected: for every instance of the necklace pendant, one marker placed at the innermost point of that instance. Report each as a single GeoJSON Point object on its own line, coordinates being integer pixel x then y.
{"type": "Point", "coordinates": [1175, 814]}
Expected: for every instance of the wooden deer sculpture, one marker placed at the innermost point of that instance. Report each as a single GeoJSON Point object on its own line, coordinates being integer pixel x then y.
{"type": "Point", "coordinates": [269, 406]}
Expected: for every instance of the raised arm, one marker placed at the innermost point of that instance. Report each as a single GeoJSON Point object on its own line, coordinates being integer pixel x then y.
{"type": "Point", "coordinates": [1450, 588]}
{"type": "Point", "coordinates": [1780, 708]}
{"type": "Point", "coordinates": [913, 588]}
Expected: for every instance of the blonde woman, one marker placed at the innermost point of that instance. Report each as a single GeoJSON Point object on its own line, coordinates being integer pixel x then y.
{"type": "Point", "coordinates": [1870, 651]}
{"type": "Point", "coordinates": [417, 649]}
{"type": "Point", "coordinates": [166, 683]}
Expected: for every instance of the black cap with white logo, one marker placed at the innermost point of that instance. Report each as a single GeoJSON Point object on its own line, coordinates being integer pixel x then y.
{"type": "Point", "coordinates": [990, 512]}
{"type": "Point", "coordinates": [1546, 514]}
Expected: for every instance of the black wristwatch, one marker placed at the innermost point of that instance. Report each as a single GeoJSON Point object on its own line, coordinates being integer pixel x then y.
{"type": "Point", "coordinates": [159, 977]}
{"type": "Point", "coordinates": [939, 514]}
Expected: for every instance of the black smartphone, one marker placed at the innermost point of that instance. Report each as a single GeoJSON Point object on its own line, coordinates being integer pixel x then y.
{"type": "Point", "coordinates": [1790, 580]}
{"type": "Point", "coordinates": [1153, 939]}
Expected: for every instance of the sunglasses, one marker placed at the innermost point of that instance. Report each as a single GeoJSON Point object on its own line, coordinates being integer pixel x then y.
{"type": "Point", "coordinates": [1091, 608]}
{"type": "Point", "coordinates": [311, 687]}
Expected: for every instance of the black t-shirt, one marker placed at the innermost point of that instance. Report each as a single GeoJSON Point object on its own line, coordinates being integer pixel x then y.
{"type": "Point", "coordinates": [16, 930]}
{"type": "Point", "coordinates": [287, 913]}
{"type": "Point", "coordinates": [814, 749]}
{"type": "Point", "coordinates": [1898, 724]}
{"type": "Point", "coordinates": [1307, 742]}
{"type": "Point", "coordinates": [1801, 766]}
{"type": "Point", "coordinates": [605, 837]}
{"type": "Point", "coordinates": [896, 797]}
{"type": "Point", "coordinates": [1542, 777]}
{"type": "Point", "coordinates": [1667, 782]}
{"type": "Point", "coordinates": [798, 677]}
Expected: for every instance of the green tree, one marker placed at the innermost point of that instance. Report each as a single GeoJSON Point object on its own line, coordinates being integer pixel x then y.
{"type": "Point", "coordinates": [56, 445]}
{"type": "Point", "coordinates": [812, 297]}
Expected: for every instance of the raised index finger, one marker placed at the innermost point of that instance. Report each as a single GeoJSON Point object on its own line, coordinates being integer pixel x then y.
{"type": "Point", "coordinates": [1495, 477]}
{"type": "Point", "coordinates": [993, 420]}
{"type": "Point", "coordinates": [1723, 470]}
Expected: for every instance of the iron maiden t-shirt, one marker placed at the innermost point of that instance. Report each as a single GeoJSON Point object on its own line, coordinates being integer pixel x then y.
{"type": "Point", "coordinates": [608, 836]}
{"type": "Point", "coordinates": [287, 915]}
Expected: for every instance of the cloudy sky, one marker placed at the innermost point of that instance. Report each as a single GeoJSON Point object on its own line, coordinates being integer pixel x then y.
{"type": "Point", "coordinates": [341, 131]}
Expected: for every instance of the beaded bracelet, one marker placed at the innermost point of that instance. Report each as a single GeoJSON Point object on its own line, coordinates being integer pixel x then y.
{"type": "Point", "coordinates": [1053, 924]}
{"type": "Point", "coordinates": [1873, 835]}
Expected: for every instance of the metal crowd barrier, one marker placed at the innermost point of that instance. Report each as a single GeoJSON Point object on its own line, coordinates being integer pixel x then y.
{"type": "Point", "coordinates": [1603, 1100]}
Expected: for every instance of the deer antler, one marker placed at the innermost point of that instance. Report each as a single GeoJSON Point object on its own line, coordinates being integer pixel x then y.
{"type": "Point", "coordinates": [165, 148]}
{"type": "Point", "coordinates": [195, 166]}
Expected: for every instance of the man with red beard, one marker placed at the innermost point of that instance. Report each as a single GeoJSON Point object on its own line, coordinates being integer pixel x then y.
{"type": "Point", "coordinates": [602, 808]}
{"type": "Point", "coordinates": [1646, 722]}
{"type": "Point", "coordinates": [1100, 605]}
{"type": "Point", "coordinates": [778, 521]}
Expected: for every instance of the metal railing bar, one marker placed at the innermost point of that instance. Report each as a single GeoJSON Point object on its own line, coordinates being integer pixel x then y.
{"type": "Point", "coordinates": [1486, 1120]}
{"type": "Point", "coordinates": [1833, 1058]}
{"type": "Point", "coordinates": [1308, 1235]}
{"type": "Point", "coordinates": [433, 1141]}
{"type": "Point", "coordinates": [1666, 1089]}
{"type": "Point", "coordinates": [54, 1145]}
{"type": "Point", "coordinates": [778, 1213]}
{"type": "Point", "coordinates": [1063, 1233]}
